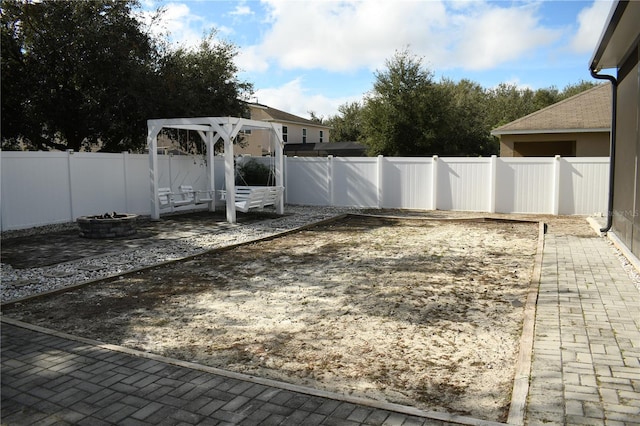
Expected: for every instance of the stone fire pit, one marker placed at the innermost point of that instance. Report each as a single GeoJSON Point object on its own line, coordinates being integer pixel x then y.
{"type": "Point", "coordinates": [108, 225]}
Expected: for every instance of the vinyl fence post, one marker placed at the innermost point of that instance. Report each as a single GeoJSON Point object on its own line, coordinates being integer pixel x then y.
{"type": "Point", "coordinates": [70, 174]}
{"type": "Point", "coordinates": [555, 202]}
{"type": "Point", "coordinates": [125, 166]}
{"type": "Point", "coordinates": [285, 167]}
{"type": "Point", "coordinates": [330, 180]}
{"type": "Point", "coordinates": [493, 164]}
{"type": "Point", "coordinates": [380, 180]}
{"type": "Point", "coordinates": [434, 183]}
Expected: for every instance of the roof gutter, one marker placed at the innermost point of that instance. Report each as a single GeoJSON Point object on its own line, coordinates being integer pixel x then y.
{"type": "Point", "coordinates": [548, 131]}
{"type": "Point", "coordinates": [612, 149]}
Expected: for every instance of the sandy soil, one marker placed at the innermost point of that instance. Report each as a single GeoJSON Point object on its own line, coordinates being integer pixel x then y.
{"type": "Point", "coordinates": [426, 313]}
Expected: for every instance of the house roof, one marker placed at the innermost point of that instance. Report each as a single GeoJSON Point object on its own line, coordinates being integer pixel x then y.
{"type": "Point", "coordinates": [588, 111]}
{"type": "Point", "coordinates": [618, 37]}
{"type": "Point", "coordinates": [285, 117]}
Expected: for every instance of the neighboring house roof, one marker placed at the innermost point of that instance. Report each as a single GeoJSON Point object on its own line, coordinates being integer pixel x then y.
{"type": "Point", "coordinates": [588, 111]}
{"type": "Point", "coordinates": [284, 117]}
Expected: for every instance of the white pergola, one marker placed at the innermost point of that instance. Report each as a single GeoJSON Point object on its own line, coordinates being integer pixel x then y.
{"type": "Point", "coordinates": [211, 130]}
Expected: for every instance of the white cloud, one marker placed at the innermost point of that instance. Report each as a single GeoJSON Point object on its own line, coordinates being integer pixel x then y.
{"type": "Point", "coordinates": [341, 36]}
{"type": "Point", "coordinates": [292, 97]}
{"type": "Point", "coordinates": [185, 28]}
{"type": "Point", "coordinates": [182, 24]}
{"type": "Point", "coordinates": [348, 35]}
{"type": "Point", "coordinates": [249, 59]}
{"type": "Point", "coordinates": [241, 10]}
{"type": "Point", "coordinates": [591, 21]}
{"type": "Point", "coordinates": [498, 35]}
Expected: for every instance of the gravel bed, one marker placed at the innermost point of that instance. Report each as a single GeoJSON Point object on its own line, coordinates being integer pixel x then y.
{"type": "Point", "coordinates": [20, 283]}
{"type": "Point", "coordinates": [627, 266]}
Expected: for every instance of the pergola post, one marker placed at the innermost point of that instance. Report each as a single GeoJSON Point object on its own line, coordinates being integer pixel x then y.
{"type": "Point", "coordinates": [211, 182]}
{"type": "Point", "coordinates": [279, 163]}
{"type": "Point", "coordinates": [229, 173]}
{"type": "Point", "coordinates": [152, 144]}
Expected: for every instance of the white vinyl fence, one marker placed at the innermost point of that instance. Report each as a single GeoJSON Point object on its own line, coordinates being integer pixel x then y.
{"type": "Point", "coordinates": [557, 185]}
{"type": "Point", "coordinates": [40, 188]}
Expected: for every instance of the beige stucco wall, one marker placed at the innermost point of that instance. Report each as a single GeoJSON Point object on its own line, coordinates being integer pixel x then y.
{"type": "Point", "coordinates": [256, 144]}
{"type": "Point", "coordinates": [594, 144]}
{"type": "Point", "coordinates": [259, 143]}
{"type": "Point", "coordinates": [626, 193]}
{"type": "Point", "coordinates": [294, 132]}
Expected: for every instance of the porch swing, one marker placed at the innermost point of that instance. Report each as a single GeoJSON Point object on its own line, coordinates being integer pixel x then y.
{"type": "Point", "coordinates": [197, 196]}
{"type": "Point", "coordinates": [249, 197]}
{"type": "Point", "coordinates": [186, 195]}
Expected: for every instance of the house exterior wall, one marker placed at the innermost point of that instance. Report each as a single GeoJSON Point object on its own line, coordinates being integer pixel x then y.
{"type": "Point", "coordinates": [258, 143]}
{"type": "Point", "coordinates": [626, 193]}
{"type": "Point", "coordinates": [295, 133]}
{"type": "Point", "coordinates": [587, 144]}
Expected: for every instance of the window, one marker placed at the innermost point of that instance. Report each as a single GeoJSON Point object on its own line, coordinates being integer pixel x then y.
{"type": "Point", "coordinates": [321, 135]}
{"type": "Point", "coordinates": [304, 135]}
{"type": "Point", "coordinates": [284, 134]}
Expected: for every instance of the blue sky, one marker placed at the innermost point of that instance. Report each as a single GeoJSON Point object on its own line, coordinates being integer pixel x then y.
{"type": "Point", "coordinates": [315, 55]}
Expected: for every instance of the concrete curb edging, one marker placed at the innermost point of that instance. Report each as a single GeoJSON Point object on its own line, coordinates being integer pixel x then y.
{"type": "Point", "coordinates": [523, 365]}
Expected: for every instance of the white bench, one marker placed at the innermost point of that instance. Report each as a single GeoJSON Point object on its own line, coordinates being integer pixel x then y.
{"type": "Point", "coordinates": [198, 196]}
{"type": "Point", "coordinates": [167, 198]}
{"type": "Point", "coordinates": [255, 197]}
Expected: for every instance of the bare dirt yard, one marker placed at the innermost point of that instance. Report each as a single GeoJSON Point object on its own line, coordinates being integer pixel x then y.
{"type": "Point", "coordinates": [420, 312]}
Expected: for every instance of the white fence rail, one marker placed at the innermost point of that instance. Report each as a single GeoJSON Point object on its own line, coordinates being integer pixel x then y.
{"type": "Point", "coordinates": [40, 188]}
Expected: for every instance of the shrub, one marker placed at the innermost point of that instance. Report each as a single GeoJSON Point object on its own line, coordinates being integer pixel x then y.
{"type": "Point", "coordinates": [253, 173]}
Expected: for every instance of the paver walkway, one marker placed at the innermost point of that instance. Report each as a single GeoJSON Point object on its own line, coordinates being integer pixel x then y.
{"type": "Point", "coordinates": [586, 359]}
{"type": "Point", "coordinates": [585, 367]}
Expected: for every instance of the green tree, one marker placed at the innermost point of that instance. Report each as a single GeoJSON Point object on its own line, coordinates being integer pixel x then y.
{"type": "Point", "coordinates": [402, 116]}
{"type": "Point", "coordinates": [88, 74]}
{"type": "Point", "coordinates": [507, 102]}
{"type": "Point", "coordinates": [574, 89]}
{"type": "Point", "coordinates": [466, 120]}
{"type": "Point", "coordinates": [315, 118]}
{"type": "Point", "coordinates": [542, 98]}
{"type": "Point", "coordinates": [203, 81]}
{"type": "Point", "coordinates": [346, 125]}
{"type": "Point", "coordinates": [73, 73]}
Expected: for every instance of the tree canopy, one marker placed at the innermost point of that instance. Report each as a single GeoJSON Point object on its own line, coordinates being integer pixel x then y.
{"type": "Point", "coordinates": [87, 75]}
{"type": "Point", "coordinates": [407, 113]}
{"type": "Point", "coordinates": [402, 114]}
{"type": "Point", "coordinates": [346, 126]}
